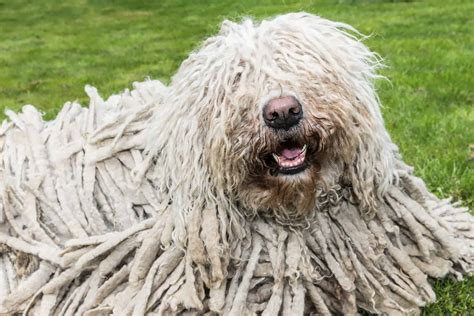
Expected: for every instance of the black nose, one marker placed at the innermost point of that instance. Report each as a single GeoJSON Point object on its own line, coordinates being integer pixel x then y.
{"type": "Point", "coordinates": [283, 112]}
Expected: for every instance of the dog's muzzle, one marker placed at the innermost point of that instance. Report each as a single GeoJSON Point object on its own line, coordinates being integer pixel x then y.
{"type": "Point", "coordinates": [280, 115]}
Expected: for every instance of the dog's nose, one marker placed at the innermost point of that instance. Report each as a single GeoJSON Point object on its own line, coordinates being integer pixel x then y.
{"type": "Point", "coordinates": [282, 112]}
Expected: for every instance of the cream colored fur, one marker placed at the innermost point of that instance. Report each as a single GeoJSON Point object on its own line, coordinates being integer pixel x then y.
{"type": "Point", "coordinates": [158, 200]}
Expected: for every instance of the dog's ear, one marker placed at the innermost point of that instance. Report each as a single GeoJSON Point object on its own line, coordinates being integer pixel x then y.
{"type": "Point", "coordinates": [371, 169]}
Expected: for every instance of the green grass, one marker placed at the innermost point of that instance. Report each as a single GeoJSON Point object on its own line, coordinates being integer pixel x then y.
{"type": "Point", "coordinates": [50, 49]}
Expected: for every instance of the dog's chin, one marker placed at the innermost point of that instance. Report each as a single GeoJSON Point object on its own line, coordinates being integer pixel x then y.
{"type": "Point", "coordinates": [288, 191]}
{"type": "Point", "coordinates": [286, 180]}
{"type": "Point", "coordinates": [297, 176]}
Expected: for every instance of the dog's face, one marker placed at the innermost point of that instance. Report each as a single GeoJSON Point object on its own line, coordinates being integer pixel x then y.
{"type": "Point", "coordinates": [278, 112]}
{"type": "Point", "coordinates": [291, 145]}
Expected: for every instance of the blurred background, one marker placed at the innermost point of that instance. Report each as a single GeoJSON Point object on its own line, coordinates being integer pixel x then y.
{"type": "Point", "coordinates": [50, 49]}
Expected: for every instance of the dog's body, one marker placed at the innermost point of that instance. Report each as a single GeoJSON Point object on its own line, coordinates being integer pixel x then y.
{"type": "Point", "coordinates": [261, 180]}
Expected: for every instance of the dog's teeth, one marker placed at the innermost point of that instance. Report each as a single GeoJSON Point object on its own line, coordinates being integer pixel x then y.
{"type": "Point", "coordinates": [304, 148]}
{"type": "Point", "coordinates": [277, 159]}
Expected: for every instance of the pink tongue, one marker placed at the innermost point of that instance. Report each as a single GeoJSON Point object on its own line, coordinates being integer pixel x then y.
{"type": "Point", "coordinates": [291, 153]}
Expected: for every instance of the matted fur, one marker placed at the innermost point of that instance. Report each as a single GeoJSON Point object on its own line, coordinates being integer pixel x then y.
{"type": "Point", "coordinates": [327, 68]}
{"type": "Point", "coordinates": [161, 200]}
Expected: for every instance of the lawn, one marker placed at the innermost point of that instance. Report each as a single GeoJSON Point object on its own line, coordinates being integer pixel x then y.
{"type": "Point", "coordinates": [49, 50]}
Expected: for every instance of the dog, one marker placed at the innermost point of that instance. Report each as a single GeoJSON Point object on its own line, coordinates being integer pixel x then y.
{"type": "Point", "coordinates": [261, 180]}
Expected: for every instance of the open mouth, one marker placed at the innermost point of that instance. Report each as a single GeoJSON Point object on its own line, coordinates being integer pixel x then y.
{"type": "Point", "coordinates": [290, 158]}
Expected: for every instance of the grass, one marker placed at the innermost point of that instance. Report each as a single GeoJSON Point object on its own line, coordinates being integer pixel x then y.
{"type": "Point", "coordinates": [49, 50]}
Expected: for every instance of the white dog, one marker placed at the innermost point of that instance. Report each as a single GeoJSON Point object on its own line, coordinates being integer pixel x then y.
{"type": "Point", "coordinates": [262, 180]}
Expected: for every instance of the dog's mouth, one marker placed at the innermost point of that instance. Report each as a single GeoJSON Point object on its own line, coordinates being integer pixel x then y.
{"type": "Point", "coordinates": [290, 158]}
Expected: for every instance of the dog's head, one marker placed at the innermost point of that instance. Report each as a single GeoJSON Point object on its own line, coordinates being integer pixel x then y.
{"type": "Point", "coordinates": [267, 115]}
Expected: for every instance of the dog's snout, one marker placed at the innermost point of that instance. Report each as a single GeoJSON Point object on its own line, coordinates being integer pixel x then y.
{"type": "Point", "coordinates": [283, 112]}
